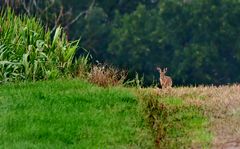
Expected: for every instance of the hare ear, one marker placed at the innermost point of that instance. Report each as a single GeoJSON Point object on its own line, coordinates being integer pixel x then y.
{"type": "Point", "coordinates": [159, 69]}
{"type": "Point", "coordinates": [165, 70]}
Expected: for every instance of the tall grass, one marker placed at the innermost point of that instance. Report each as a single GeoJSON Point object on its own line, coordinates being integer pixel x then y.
{"type": "Point", "coordinates": [27, 51]}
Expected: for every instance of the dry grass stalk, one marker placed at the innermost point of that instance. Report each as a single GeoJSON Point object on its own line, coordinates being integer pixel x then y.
{"type": "Point", "coordinates": [106, 76]}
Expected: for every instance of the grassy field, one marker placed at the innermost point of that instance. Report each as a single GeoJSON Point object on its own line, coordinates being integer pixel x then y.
{"type": "Point", "coordinates": [208, 116]}
{"type": "Point", "coordinates": [76, 114]}
{"type": "Point", "coordinates": [73, 114]}
{"type": "Point", "coordinates": [175, 122]}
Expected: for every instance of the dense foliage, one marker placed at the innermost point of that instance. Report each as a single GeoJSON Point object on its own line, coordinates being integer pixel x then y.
{"type": "Point", "coordinates": [197, 40]}
{"type": "Point", "coordinates": [27, 52]}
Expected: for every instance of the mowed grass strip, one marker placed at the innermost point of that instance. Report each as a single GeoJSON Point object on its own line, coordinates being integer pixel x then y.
{"type": "Point", "coordinates": [73, 113]}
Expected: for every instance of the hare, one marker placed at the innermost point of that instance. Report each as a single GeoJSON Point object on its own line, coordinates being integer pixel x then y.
{"type": "Point", "coordinates": [165, 81]}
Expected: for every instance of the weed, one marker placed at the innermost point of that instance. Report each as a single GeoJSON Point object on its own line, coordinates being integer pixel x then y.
{"type": "Point", "coordinates": [106, 76]}
{"type": "Point", "coordinates": [82, 67]}
{"type": "Point", "coordinates": [136, 82]}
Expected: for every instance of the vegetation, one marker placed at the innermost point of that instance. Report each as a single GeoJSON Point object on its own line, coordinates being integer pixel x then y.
{"type": "Point", "coordinates": [27, 52]}
{"type": "Point", "coordinates": [193, 117]}
{"type": "Point", "coordinates": [197, 40]}
{"type": "Point", "coordinates": [174, 122]}
{"type": "Point", "coordinates": [106, 76]}
{"type": "Point", "coordinates": [72, 114]}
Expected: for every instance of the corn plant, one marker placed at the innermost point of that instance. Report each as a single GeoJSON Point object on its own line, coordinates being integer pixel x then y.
{"type": "Point", "coordinates": [27, 51]}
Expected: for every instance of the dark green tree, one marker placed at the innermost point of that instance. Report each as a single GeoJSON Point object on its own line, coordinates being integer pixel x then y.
{"type": "Point", "coordinates": [198, 40]}
{"type": "Point", "coordinates": [139, 42]}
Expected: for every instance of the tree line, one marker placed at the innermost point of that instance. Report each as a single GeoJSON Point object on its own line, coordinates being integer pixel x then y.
{"type": "Point", "coordinates": [198, 40]}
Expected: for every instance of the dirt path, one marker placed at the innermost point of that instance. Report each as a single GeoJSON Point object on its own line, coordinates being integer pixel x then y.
{"type": "Point", "coordinates": [223, 107]}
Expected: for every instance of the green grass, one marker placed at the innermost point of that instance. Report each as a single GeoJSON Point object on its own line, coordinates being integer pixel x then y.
{"type": "Point", "coordinates": [186, 127]}
{"type": "Point", "coordinates": [70, 114]}
{"type": "Point", "coordinates": [175, 123]}
{"type": "Point", "coordinates": [76, 114]}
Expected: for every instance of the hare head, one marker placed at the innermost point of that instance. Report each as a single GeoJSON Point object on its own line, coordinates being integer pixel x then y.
{"type": "Point", "coordinates": [162, 72]}
{"type": "Point", "coordinates": [165, 81]}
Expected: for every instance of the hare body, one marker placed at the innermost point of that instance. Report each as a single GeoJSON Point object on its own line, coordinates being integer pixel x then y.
{"type": "Point", "coordinates": [165, 81]}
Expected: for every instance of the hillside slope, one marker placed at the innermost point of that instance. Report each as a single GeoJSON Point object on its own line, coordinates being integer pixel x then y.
{"type": "Point", "coordinates": [216, 109]}
{"type": "Point", "coordinates": [76, 114]}
{"type": "Point", "coordinates": [73, 113]}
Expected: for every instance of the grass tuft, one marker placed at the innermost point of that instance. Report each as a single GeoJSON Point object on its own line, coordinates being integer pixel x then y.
{"type": "Point", "coordinates": [106, 76]}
